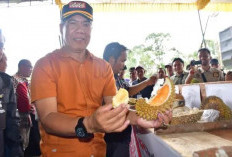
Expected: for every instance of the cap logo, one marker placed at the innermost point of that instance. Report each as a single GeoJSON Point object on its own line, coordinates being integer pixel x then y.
{"type": "Point", "coordinates": [79, 5]}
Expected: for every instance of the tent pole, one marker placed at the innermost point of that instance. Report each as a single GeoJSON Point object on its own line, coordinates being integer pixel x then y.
{"type": "Point", "coordinates": [203, 34]}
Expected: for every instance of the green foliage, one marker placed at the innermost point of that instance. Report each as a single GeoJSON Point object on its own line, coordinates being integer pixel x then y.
{"type": "Point", "coordinates": [150, 54]}
{"type": "Point", "coordinates": [157, 48]}
{"type": "Point", "coordinates": [213, 46]}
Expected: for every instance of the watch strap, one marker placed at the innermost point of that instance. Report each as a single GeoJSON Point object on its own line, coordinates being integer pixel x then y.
{"type": "Point", "coordinates": [81, 131]}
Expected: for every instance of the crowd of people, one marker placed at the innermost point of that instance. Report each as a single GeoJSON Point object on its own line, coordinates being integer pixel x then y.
{"type": "Point", "coordinates": [205, 69]}
{"type": "Point", "coordinates": [19, 131]}
{"type": "Point", "coordinates": [71, 92]}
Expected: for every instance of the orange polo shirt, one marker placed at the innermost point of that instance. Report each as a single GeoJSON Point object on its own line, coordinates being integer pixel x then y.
{"type": "Point", "coordinates": [79, 89]}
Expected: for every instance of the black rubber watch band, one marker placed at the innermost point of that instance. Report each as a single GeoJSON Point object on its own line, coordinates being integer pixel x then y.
{"type": "Point", "coordinates": [81, 131]}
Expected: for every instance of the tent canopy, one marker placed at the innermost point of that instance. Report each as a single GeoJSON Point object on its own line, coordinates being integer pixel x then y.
{"type": "Point", "coordinates": [157, 5]}
{"type": "Point", "coordinates": [143, 5]}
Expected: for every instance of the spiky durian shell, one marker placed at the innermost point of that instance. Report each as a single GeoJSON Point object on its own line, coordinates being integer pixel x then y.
{"type": "Point", "coordinates": [214, 102]}
{"type": "Point", "coordinates": [149, 112]}
{"type": "Point", "coordinates": [187, 118]}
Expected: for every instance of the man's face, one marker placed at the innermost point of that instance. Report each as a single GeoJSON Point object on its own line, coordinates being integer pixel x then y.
{"type": "Point", "coordinates": [119, 64]}
{"type": "Point", "coordinates": [169, 70]}
{"type": "Point", "coordinates": [26, 69]}
{"type": "Point", "coordinates": [214, 66]}
{"type": "Point", "coordinates": [178, 67]}
{"type": "Point", "coordinates": [133, 74]}
{"type": "Point", "coordinates": [76, 33]}
{"type": "Point", "coordinates": [204, 57]}
{"type": "Point", "coordinates": [140, 72]}
{"type": "Point", "coordinates": [161, 73]}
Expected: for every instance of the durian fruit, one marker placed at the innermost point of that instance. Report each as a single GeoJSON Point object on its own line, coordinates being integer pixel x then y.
{"type": "Point", "coordinates": [132, 101]}
{"type": "Point", "coordinates": [186, 116]}
{"type": "Point", "coordinates": [194, 80]}
{"type": "Point", "coordinates": [161, 102]}
{"type": "Point", "coordinates": [179, 101]}
{"type": "Point", "coordinates": [121, 97]}
{"type": "Point", "coordinates": [214, 102]}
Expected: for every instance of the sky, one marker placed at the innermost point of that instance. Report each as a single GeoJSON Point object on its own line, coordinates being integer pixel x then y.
{"type": "Point", "coordinates": [32, 32]}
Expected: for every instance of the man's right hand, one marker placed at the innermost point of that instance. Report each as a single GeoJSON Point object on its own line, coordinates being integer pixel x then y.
{"type": "Point", "coordinates": [107, 119]}
{"type": "Point", "coordinates": [192, 71]}
{"type": "Point", "coordinates": [152, 80]}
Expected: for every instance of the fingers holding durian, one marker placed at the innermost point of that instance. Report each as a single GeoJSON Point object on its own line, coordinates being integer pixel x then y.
{"type": "Point", "coordinates": [106, 119]}
{"type": "Point", "coordinates": [165, 118]}
{"type": "Point", "coordinates": [162, 119]}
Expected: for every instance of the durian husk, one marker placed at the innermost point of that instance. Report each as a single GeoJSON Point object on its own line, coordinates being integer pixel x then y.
{"type": "Point", "coordinates": [179, 101]}
{"type": "Point", "coordinates": [214, 102]}
{"type": "Point", "coordinates": [132, 101]}
{"type": "Point", "coordinates": [186, 117]}
{"type": "Point", "coordinates": [149, 112]}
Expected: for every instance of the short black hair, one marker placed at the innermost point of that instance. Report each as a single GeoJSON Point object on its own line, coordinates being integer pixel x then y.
{"type": "Point", "coordinates": [23, 62]}
{"type": "Point", "coordinates": [204, 49]}
{"type": "Point", "coordinates": [178, 59]}
{"type": "Point", "coordinates": [214, 61]}
{"type": "Point", "coordinates": [132, 69]}
{"type": "Point", "coordinates": [113, 49]}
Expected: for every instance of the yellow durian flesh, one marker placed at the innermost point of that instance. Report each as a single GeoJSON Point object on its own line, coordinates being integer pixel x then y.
{"type": "Point", "coordinates": [122, 97]}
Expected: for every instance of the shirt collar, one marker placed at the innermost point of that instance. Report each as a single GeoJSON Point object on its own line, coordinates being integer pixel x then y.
{"type": "Point", "coordinates": [177, 75]}
{"type": "Point", "coordinates": [205, 70]}
{"type": "Point", "coordinates": [89, 56]}
{"type": "Point", "coordinates": [20, 78]}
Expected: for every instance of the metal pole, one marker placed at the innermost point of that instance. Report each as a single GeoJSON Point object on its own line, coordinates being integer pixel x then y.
{"type": "Point", "coordinates": [203, 38]}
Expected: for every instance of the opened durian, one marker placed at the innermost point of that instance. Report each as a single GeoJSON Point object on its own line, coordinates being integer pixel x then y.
{"type": "Point", "coordinates": [184, 115]}
{"type": "Point", "coordinates": [214, 102]}
{"type": "Point", "coordinates": [161, 102]}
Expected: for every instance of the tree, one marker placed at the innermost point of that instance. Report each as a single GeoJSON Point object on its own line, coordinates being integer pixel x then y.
{"type": "Point", "coordinates": [213, 46]}
{"type": "Point", "coordinates": [157, 50]}
{"type": "Point", "coordinates": [152, 53]}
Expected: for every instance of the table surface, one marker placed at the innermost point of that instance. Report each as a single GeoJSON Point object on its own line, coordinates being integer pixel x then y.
{"type": "Point", "coordinates": [187, 143]}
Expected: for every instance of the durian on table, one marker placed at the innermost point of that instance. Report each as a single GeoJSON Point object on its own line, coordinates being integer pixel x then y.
{"type": "Point", "coordinates": [214, 102]}
{"type": "Point", "coordinates": [185, 115]}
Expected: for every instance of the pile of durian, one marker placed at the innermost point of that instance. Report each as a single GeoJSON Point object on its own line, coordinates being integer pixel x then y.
{"type": "Point", "coordinates": [164, 100]}
{"type": "Point", "coordinates": [216, 103]}
{"type": "Point", "coordinates": [185, 115]}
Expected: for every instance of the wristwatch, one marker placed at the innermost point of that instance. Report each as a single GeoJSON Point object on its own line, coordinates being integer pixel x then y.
{"type": "Point", "coordinates": [81, 131]}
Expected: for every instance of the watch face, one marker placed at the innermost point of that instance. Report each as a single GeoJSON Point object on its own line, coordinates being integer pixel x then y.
{"type": "Point", "coordinates": [80, 132]}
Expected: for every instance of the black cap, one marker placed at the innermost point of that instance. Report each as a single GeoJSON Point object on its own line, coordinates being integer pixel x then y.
{"type": "Point", "coordinates": [214, 61]}
{"type": "Point", "coordinates": [178, 59]}
{"type": "Point", "coordinates": [77, 8]}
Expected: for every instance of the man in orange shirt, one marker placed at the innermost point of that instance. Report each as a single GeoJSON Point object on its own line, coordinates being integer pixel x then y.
{"type": "Point", "coordinates": [68, 87]}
